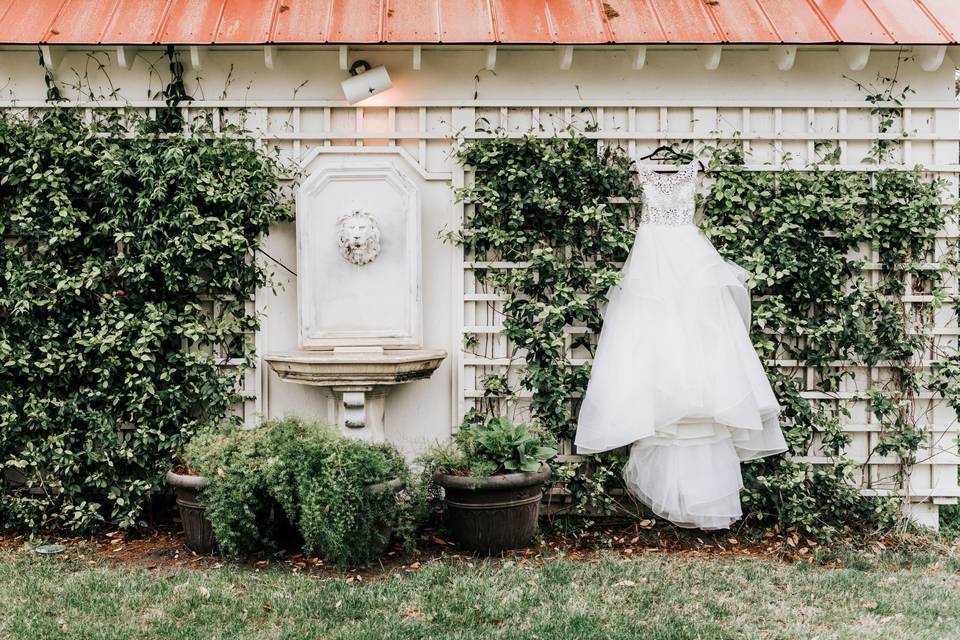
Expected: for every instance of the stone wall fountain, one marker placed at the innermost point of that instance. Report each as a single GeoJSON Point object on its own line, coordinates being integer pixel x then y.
{"type": "Point", "coordinates": [359, 287]}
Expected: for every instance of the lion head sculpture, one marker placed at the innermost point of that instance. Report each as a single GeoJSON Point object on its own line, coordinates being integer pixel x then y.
{"type": "Point", "coordinates": [358, 237]}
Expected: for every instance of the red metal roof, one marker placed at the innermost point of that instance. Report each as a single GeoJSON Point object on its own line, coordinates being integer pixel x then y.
{"type": "Point", "coordinates": [478, 21]}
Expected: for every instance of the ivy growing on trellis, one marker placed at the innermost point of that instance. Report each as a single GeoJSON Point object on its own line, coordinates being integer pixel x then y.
{"type": "Point", "coordinates": [126, 271]}
{"type": "Point", "coordinates": [551, 205]}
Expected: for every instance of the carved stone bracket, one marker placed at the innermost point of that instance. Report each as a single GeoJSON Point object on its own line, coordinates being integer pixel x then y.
{"type": "Point", "coordinates": [359, 411]}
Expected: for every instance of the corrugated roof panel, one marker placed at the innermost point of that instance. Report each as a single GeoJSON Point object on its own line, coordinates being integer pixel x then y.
{"type": "Point", "coordinates": [4, 6]}
{"type": "Point", "coordinates": [854, 22]}
{"type": "Point", "coordinates": [947, 13]}
{"type": "Point", "coordinates": [633, 21]}
{"type": "Point", "coordinates": [28, 21]}
{"type": "Point", "coordinates": [302, 21]}
{"type": "Point", "coordinates": [522, 21]}
{"type": "Point", "coordinates": [686, 21]}
{"type": "Point", "coordinates": [135, 22]}
{"type": "Point", "coordinates": [479, 21]}
{"type": "Point", "coordinates": [465, 21]}
{"type": "Point", "coordinates": [81, 20]}
{"type": "Point", "coordinates": [246, 21]}
{"type": "Point", "coordinates": [796, 21]}
{"type": "Point", "coordinates": [743, 21]}
{"type": "Point", "coordinates": [577, 21]}
{"type": "Point", "coordinates": [412, 21]}
{"type": "Point", "coordinates": [191, 21]}
{"type": "Point", "coordinates": [355, 21]}
{"type": "Point", "coordinates": [906, 21]}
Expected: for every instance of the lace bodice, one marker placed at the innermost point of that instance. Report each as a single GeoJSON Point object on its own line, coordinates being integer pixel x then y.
{"type": "Point", "coordinates": [669, 198]}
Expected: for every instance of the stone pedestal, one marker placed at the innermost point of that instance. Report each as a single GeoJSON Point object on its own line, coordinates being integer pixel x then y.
{"type": "Point", "coordinates": [358, 379]}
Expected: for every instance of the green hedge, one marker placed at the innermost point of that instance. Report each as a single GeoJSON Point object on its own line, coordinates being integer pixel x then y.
{"type": "Point", "coordinates": [120, 239]}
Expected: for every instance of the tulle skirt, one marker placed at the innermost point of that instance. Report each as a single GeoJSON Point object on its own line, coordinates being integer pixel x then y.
{"type": "Point", "coordinates": [676, 376]}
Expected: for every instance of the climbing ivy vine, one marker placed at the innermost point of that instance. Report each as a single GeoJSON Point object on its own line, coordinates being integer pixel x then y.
{"type": "Point", "coordinates": [805, 237]}
{"type": "Point", "coordinates": [125, 273]}
{"type": "Point", "coordinates": [548, 208]}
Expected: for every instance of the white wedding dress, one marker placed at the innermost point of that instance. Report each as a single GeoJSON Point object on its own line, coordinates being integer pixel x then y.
{"type": "Point", "coordinates": [675, 373]}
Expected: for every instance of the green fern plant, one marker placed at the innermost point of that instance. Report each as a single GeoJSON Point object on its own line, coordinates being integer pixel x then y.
{"type": "Point", "coordinates": [320, 480]}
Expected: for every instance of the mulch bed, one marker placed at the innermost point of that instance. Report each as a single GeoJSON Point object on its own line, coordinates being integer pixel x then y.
{"type": "Point", "coordinates": [162, 548]}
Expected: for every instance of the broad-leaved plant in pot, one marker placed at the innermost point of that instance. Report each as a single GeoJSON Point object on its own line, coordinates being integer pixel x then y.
{"type": "Point", "coordinates": [493, 475]}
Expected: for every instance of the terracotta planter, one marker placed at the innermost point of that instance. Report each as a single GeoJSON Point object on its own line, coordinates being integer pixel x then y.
{"type": "Point", "coordinates": [196, 526]}
{"type": "Point", "coordinates": [493, 514]}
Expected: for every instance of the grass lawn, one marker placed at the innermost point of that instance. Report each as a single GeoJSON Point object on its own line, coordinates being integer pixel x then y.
{"type": "Point", "coordinates": [656, 595]}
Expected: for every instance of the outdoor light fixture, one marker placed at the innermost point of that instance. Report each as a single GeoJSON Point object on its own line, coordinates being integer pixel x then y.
{"type": "Point", "coordinates": [365, 82]}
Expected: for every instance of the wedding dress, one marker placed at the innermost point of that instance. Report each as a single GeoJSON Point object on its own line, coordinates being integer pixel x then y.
{"type": "Point", "coordinates": [675, 373]}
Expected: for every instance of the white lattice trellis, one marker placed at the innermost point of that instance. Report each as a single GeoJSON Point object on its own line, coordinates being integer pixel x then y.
{"type": "Point", "coordinates": [772, 137]}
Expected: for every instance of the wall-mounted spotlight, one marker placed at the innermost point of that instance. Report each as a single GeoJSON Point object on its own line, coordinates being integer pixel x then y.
{"type": "Point", "coordinates": [365, 82]}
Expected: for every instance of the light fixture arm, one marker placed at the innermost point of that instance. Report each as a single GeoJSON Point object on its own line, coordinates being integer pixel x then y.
{"type": "Point", "coordinates": [358, 67]}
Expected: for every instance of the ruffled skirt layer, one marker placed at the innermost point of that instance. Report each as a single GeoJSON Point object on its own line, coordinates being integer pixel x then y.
{"type": "Point", "coordinates": [675, 374]}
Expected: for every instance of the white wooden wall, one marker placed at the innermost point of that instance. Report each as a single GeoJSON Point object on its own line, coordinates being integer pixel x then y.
{"type": "Point", "coordinates": [776, 116]}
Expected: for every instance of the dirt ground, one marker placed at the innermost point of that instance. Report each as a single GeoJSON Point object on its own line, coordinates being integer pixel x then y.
{"type": "Point", "coordinates": [162, 548]}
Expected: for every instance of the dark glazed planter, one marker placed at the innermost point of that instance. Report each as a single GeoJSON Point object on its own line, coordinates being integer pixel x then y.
{"type": "Point", "coordinates": [490, 515]}
{"type": "Point", "coordinates": [199, 530]}
{"type": "Point", "coordinates": [196, 526]}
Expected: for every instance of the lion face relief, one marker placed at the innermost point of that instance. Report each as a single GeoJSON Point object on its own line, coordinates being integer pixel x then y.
{"type": "Point", "coordinates": [358, 237]}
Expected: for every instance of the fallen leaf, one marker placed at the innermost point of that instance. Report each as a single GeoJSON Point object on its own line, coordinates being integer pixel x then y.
{"type": "Point", "coordinates": [626, 583]}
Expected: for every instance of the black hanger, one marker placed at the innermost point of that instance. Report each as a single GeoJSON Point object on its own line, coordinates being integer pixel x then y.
{"type": "Point", "coordinates": [673, 154]}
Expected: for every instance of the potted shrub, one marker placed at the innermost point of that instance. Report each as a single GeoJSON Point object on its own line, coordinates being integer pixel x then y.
{"type": "Point", "coordinates": [294, 480]}
{"type": "Point", "coordinates": [493, 475]}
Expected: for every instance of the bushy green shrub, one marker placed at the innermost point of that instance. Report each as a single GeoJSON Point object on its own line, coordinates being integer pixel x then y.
{"type": "Point", "coordinates": [125, 270]}
{"type": "Point", "coordinates": [319, 479]}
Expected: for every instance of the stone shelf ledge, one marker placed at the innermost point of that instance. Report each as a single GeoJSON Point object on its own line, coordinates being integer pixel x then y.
{"type": "Point", "coordinates": [356, 367]}
{"type": "Point", "coordinates": [357, 379]}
